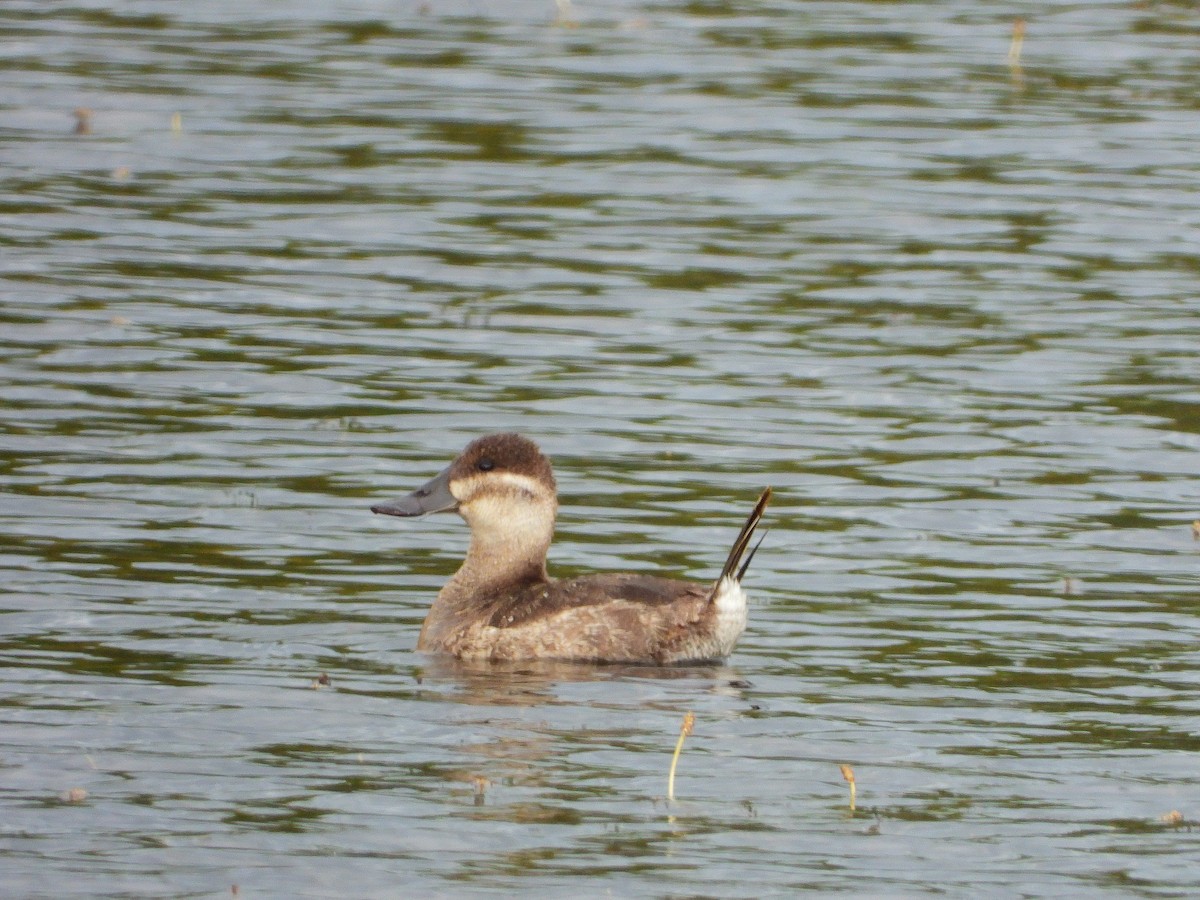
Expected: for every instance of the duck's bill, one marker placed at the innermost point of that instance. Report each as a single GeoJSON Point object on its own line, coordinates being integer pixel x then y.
{"type": "Point", "coordinates": [433, 496]}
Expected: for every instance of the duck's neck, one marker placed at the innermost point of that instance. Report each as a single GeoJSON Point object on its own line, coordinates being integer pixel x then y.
{"type": "Point", "coordinates": [498, 560]}
{"type": "Point", "coordinates": [489, 568]}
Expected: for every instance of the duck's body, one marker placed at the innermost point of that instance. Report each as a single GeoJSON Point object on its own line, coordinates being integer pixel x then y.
{"type": "Point", "coordinates": [502, 605]}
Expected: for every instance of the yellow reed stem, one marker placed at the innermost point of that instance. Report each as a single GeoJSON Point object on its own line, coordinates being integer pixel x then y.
{"type": "Point", "coordinates": [848, 774]}
{"type": "Point", "coordinates": [1018, 40]}
{"type": "Point", "coordinates": [688, 721]}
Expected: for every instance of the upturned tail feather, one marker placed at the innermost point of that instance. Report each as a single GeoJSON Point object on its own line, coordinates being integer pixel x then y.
{"type": "Point", "coordinates": [734, 566]}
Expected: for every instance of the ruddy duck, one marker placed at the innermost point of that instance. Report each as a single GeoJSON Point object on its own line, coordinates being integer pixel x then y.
{"type": "Point", "coordinates": [501, 604]}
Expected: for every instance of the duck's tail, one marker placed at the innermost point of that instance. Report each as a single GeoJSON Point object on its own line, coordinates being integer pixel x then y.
{"type": "Point", "coordinates": [735, 567]}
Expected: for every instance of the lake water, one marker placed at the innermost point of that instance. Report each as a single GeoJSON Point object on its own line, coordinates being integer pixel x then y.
{"type": "Point", "coordinates": [941, 295]}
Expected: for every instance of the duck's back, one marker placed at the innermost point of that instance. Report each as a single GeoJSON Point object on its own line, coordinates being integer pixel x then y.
{"type": "Point", "coordinates": [610, 617]}
{"type": "Point", "coordinates": [539, 600]}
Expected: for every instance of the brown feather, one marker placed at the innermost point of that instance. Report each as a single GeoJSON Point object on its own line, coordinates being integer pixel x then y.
{"type": "Point", "coordinates": [542, 599]}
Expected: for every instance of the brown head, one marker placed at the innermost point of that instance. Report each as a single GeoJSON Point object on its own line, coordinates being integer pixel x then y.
{"type": "Point", "coordinates": [503, 486]}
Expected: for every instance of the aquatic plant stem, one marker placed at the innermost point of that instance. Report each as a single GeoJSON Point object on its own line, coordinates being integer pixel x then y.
{"type": "Point", "coordinates": [688, 721]}
{"type": "Point", "coordinates": [848, 774]}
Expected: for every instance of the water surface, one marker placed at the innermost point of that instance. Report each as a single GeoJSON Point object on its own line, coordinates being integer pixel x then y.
{"type": "Point", "coordinates": [946, 305]}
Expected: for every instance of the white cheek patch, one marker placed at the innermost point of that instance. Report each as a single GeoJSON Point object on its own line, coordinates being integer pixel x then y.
{"type": "Point", "coordinates": [496, 484]}
{"type": "Point", "coordinates": [522, 483]}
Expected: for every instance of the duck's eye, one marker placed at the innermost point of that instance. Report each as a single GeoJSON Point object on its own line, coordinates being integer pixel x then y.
{"type": "Point", "coordinates": [486, 464]}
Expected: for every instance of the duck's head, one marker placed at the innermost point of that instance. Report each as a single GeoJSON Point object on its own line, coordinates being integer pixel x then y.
{"type": "Point", "coordinates": [496, 481]}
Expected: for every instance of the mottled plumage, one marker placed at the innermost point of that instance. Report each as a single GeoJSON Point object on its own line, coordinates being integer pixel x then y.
{"type": "Point", "coordinates": [502, 605]}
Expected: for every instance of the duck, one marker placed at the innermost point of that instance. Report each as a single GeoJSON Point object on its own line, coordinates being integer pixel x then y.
{"type": "Point", "coordinates": [502, 605]}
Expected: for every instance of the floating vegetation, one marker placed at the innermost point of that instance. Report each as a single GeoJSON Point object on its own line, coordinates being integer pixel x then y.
{"type": "Point", "coordinates": [1176, 819]}
{"type": "Point", "coordinates": [481, 784]}
{"type": "Point", "coordinates": [1014, 54]}
{"type": "Point", "coordinates": [566, 15]}
{"type": "Point", "coordinates": [1018, 40]}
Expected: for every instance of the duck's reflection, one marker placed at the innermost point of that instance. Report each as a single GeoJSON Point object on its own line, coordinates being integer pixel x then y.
{"type": "Point", "coordinates": [544, 734]}
{"type": "Point", "coordinates": [536, 682]}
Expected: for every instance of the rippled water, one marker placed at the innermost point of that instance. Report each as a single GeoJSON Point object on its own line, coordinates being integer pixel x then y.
{"type": "Point", "coordinates": [943, 301]}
